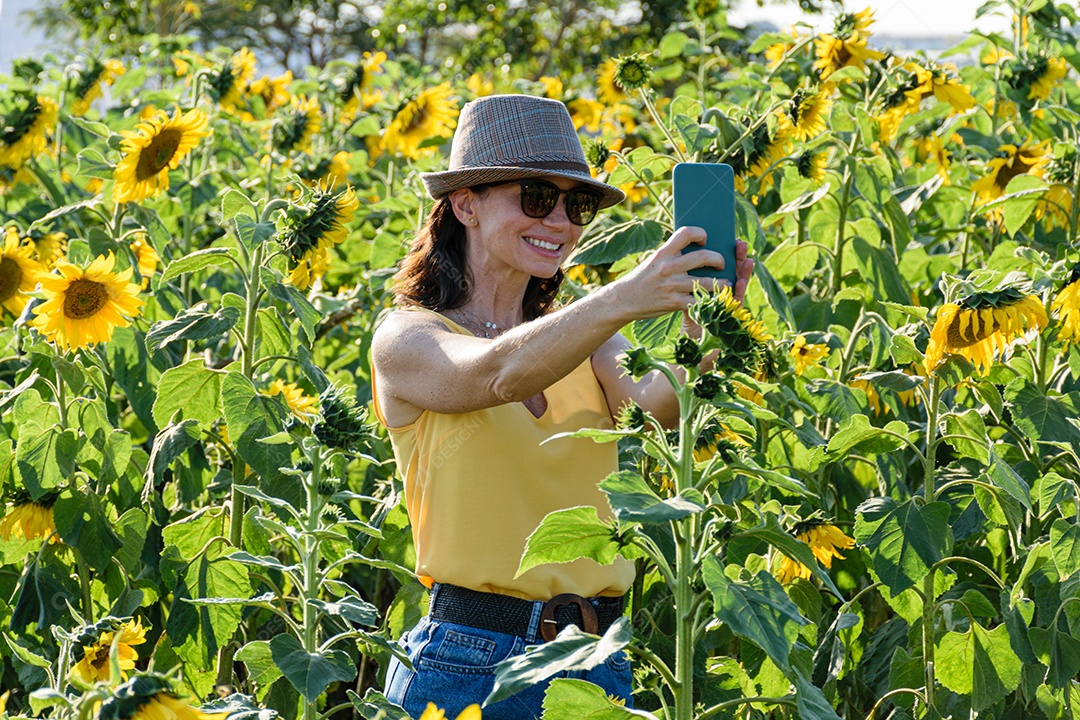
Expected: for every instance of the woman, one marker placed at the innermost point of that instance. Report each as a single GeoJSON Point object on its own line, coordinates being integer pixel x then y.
{"type": "Point", "coordinates": [477, 369]}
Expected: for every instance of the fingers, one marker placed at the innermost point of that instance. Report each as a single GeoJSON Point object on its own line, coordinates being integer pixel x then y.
{"type": "Point", "coordinates": [681, 238]}
{"type": "Point", "coordinates": [746, 270]}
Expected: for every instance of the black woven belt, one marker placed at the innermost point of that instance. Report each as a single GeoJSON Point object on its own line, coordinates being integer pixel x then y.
{"type": "Point", "coordinates": [510, 615]}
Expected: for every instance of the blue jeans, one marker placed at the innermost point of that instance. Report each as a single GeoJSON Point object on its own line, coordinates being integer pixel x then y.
{"type": "Point", "coordinates": [455, 667]}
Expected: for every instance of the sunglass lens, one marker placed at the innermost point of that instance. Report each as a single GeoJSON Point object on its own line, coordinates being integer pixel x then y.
{"type": "Point", "coordinates": [538, 199]}
{"type": "Point", "coordinates": [582, 206]}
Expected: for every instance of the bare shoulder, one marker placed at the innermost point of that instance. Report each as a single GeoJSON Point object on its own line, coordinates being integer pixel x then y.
{"type": "Point", "coordinates": [401, 332]}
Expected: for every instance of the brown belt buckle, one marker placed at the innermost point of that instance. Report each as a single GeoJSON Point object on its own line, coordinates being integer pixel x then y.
{"type": "Point", "coordinates": [549, 625]}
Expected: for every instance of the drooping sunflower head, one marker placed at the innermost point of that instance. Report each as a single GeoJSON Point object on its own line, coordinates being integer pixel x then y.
{"type": "Point", "coordinates": [92, 644]}
{"type": "Point", "coordinates": [294, 130]}
{"type": "Point", "coordinates": [24, 131]}
{"type": "Point", "coordinates": [825, 541]}
{"type": "Point", "coordinates": [320, 222]}
{"type": "Point", "coordinates": [806, 355]}
{"type": "Point", "coordinates": [155, 147]}
{"type": "Point", "coordinates": [983, 325]}
{"type": "Point", "coordinates": [741, 338]}
{"type": "Point", "coordinates": [84, 306]}
{"type": "Point", "coordinates": [631, 417]}
{"type": "Point", "coordinates": [848, 23]}
{"type": "Point", "coordinates": [18, 273]}
{"type": "Point", "coordinates": [632, 72]}
{"type": "Point", "coordinates": [811, 165]}
{"type": "Point", "coordinates": [431, 114]}
{"type": "Point", "coordinates": [1067, 307]}
{"type": "Point", "coordinates": [228, 79]}
{"type": "Point", "coordinates": [88, 87]}
{"type": "Point", "coordinates": [834, 53]}
{"type": "Point", "coordinates": [300, 404]}
{"type": "Point", "coordinates": [343, 423]}
{"type": "Point", "coordinates": [803, 117]}
{"type": "Point", "coordinates": [150, 696]}
{"type": "Point", "coordinates": [596, 153]}
{"type": "Point", "coordinates": [1035, 76]}
{"type": "Point", "coordinates": [274, 92]}
{"type": "Point", "coordinates": [716, 438]}
{"type": "Point", "coordinates": [30, 519]}
{"type": "Point", "coordinates": [146, 258]}
{"type": "Point", "coordinates": [1028, 158]}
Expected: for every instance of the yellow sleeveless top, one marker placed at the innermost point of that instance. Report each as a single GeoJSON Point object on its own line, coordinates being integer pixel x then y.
{"type": "Point", "coordinates": [478, 483]}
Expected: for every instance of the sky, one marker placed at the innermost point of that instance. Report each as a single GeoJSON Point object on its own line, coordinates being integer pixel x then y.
{"type": "Point", "coordinates": [905, 18]}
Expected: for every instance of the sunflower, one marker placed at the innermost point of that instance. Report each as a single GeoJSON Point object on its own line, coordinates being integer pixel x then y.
{"type": "Point", "coordinates": [94, 643]}
{"type": "Point", "coordinates": [22, 132]}
{"type": "Point", "coordinates": [1037, 75]}
{"type": "Point", "coordinates": [433, 113]}
{"type": "Point", "coordinates": [776, 52]}
{"type": "Point", "coordinates": [146, 258]}
{"type": "Point", "coordinates": [88, 89]}
{"type": "Point", "coordinates": [357, 92]}
{"type": "Point", "coordinates": [765, 149]}
{"type": "Point", "coordinates": [811, 165]}
{"type": "Point", "coordinates": [942, 83]}
{"type": "Point", "coordinates": [806, 354]}
{"type": "Point", "coordinates": [586, 113]}
{"type": "Point", "coordinates": [982, 324]}
{"type": "Point", "coordinates": [553, 87]}
{"type": "Point", "coordinates": [293, 132]}
{"type": "Point", "coordinates": [608, 91]}
{"type": "Point", "coordinates": [873, 398]}
{"type": "Point", "coordinates": [152, 149]}
{"type": "Point", "coordinates": [741, 339]}
{"type": "Point", "coordinates": [342, 423]}
{"type": "Point", "coordinates": [1056, 206]}
{"type": "Point", "coordinates": [1011, 160]}
{"type": "Point", "coordinates": [18, 273]}
{"type": "Point", "coordinates": [149, 696]}
{"type": "Point", "coordinates": [834, 53]}
{"type": "Point", "coordinates": [803, 117]}
{"type": "Point", "coordinates": [302, 405]}
{"type": "Point", "coordinates": [432, 712]}
{"type": "Point", "coordinates": [1067, 306]}
{"type": "Point", "coordinates": [228, 80]}
{"type": "Point", "coordinates": [632, 72]}
{"type": "Point", "coordinates": [274, 92]}
{"type": "Point", "coordinates": [29, 520]}
{"type": "Point", "coordinates": [824, 539]}
{"type": "Point", "coordinates": [47, 247]}
{"type": "Point", "coordinates": [312, 229]}
{"type": "Point", "coordinates": [84, 305]}
{"type": "Point", "coordinates": [479, 85]}
{"type": "Point", "coordinates": [932, 148]}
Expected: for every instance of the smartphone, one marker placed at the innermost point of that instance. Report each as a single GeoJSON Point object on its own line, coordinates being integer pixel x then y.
{"type": "Point", "coordinates": [705, 198]}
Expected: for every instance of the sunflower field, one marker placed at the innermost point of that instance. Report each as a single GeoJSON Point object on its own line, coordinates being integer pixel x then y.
{"type": "Point", "coordinates": [870, 508]}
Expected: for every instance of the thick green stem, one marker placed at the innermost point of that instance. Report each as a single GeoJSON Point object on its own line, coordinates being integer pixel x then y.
{"type": "Point", "coordinates": [931, 437]}
{"type": "Point", "coordinates": [684, 531]}
{"type": "Point", "coordinates": [311, 565]}
{"type": "Point", "coordinates": [84, 584]}
{"type": "Point", "coordinates": [841, 228]}
{"type": "Point", "coordinates": [928, 636]}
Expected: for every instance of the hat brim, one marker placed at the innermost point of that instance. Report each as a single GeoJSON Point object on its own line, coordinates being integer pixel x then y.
{"type": "Point", "coordinates": [440, 184]}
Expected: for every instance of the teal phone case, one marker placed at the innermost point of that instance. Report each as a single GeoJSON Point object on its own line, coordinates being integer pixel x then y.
{"type": "Point", "coordinates": [705, 197]}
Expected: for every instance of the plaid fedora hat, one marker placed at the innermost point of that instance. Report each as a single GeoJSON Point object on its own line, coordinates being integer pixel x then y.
{"type": "Point", "coordinates": [507, 137]}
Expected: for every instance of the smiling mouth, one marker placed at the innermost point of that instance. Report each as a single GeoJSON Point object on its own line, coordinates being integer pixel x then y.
{"type": "Point", "coordinates": [552, 247]}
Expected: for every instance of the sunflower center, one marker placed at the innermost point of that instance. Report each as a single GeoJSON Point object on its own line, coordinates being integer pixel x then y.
{"type": "Point", "coordinates": [84, 298]}
{"type": "Point", "coordinates": [10, 277]}
{"type": "Point", "coordinates": [967, 338]}
{"type": "Point", "coordinates": [155, 157]}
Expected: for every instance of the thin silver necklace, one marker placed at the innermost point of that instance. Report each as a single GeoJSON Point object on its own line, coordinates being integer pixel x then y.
{"type": "Point", "coordinates": [487, 327]}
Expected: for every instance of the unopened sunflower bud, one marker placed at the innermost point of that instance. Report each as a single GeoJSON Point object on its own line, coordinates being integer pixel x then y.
{"type": "Point", "coordinates": [343, 424]}
{"type": "Point", "coordinates": [631, 417]}
{"type": "Point", "coordinates": [632, 72]}
{"type": "Point", "coordinates": [596, 153]}
{"type": "Point", "coordinates": [707, 386]}
{"type": "Point", "coordinates": [637, 362]}
{"type": "Point", "coordinates": [328, 486]}
{"type": "Point", "coordinates": [687, 352]}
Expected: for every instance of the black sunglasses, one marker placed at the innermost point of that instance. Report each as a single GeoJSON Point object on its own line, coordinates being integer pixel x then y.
{"type": "Point", "coordinates": [539, 198]}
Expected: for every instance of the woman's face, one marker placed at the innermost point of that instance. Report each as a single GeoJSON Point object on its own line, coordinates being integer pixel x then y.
{"type": "Point", "coordinates": [503, 233]}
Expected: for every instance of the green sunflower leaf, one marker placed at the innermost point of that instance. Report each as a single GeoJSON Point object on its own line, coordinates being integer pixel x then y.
{"type": "Point", "coordinates": [253, 416]}
{"type": "Point", "coordinates": [571, 650]}
{"type": "Point", "coordinates": [1042, 417]}
{"type": "Point", "coordinates": [198, 260]}
{"type": "Point", "coordinates": [566, 535]}
{"type": "Point", "coordinates": [375, 706]}
{"type": "Point", "coordinates": [83, 523]}
{"type": "Point", "coordinates": [195, 323]}
{"type": "Point", "coordinates": [617, 241]}
{"type": "Point", "coordinates": [571, 699]}
{"type": "Point", "coordinates": [633, 500]}
{"type": "Point", "coordinates": [307, 314]}
{"type": "Point", "coordinates": [858, 435]}
{"type": "Point", "coordinates": [979, 663]}
{"type": "Point", "coordinates": [193, 391]}
{"type": "Point", "coordinates": [759, 611]}
{"type": "Point", "coordinates": [260, 665]}
{"type": "Point", "coordinates": [45, 460]}
{"type": "Point", "coordinates": [904, 539]}
{"type": "Point", "coordinates": [310, 673]}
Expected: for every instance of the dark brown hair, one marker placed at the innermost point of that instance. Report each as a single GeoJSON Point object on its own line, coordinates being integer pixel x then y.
{"type": "Point", "coordinates": [434, 275]}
